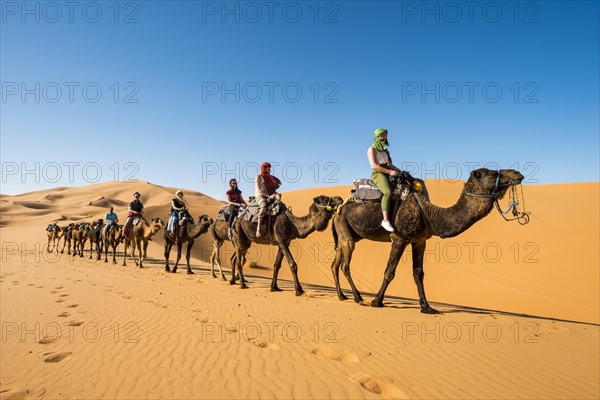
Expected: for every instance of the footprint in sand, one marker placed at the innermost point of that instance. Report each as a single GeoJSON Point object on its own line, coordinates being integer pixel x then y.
{"type": "Point", "coordinates": [64, 295]}
{"type": "Point", "coordinates": [339, 354]}
{"type": "Point", "coordinates": [266, 345]}
{"type": "Point", "coordinates": [56, 357]}
{"type": "Point", "coordinates": [379, 385]}
{"type": "Point", "coordinates": [31, 284]}
{"type": "Point", "coordinates": [127, 297]}
{"type": "Point", "coordinates": [14, 394]}
{"type": "Point", "coordinates": [64, 314]}
{"type": "Point", "coordinates": [15, 283]}
{"type": "Point", "coordinates": [59, 301]}
{"type": "Point", "coordinates": [48, 340]}
{"type": "Point", "coordinates": [73, 305]}
{"type": "Point", "coordinates": [74, 323]}
{"type": "Point", "coordinates": [54, 291]}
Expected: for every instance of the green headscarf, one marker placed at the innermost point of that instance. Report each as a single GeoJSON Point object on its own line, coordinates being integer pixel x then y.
{"type": "Point", "coordinates": [379, 143]}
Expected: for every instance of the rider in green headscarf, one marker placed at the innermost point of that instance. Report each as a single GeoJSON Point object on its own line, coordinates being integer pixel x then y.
{"type": "Point", "coordinates": [380, 143]}
{"type": "Point", "coordinates": [381, 164]}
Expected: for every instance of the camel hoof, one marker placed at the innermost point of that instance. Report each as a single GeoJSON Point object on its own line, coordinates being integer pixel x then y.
{"type": "Point", "coordinates": [243, 286]}
{"type": "Point", "coordinates": [299, 292]}
{"type": "Point", "coordinates": [174, 271]}
{"type": "Point", "coordinates": [342, 297]}
{"type": "Point", "coordinates": [276, 289]}
{"type": "Point", "coordinates": [214, 276]}
{"type": "Point", "coordinates": [377, 303]}
{"type": "Point", "coordinates": [358, 300]}
{"type": "Point", "coordinates": [167, 269]}
{"type": "Point", "coordinates": [429, 310]}
{"type": "Point", "coordinates": [223, 278]}
{"type": "Point", "coordinates": [140, 266]}
{"type": "Point", "coordinates": [232, 282]}
{"type": "Point", "coordinates": [190, 272]}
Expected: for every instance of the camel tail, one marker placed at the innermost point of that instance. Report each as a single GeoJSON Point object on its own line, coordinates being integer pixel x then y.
{"type": "Point", "coordinates": [335, 236]}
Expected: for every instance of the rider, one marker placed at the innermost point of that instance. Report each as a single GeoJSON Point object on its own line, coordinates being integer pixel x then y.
{"type": "Point", "coordinates": [136, 208]}
{"type": "Point", "coordinates": [111, 220]}
{"type": "Point", "coordinates": [265, 190]}
{"type": "Point", "coordinates": [381, 167]}
{"type": "Point", "coordinates": [178, 205]}
{"type": "Point", "coordinates": [236, 202]}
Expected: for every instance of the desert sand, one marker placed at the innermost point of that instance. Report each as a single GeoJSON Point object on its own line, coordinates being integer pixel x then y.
{"type": "Point", "coordinates": [520, 309]}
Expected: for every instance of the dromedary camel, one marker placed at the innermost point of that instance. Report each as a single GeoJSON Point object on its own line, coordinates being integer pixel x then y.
{"type": "Point", "coordinates": [186, 233]}
{"type": "Point", "coordinates": [54, 235]}
{"type": "Point", "coordinates": [138, 237]}
{"type": "Point", "coordinates": [80, 236]}
{"type": "Point", "coordinates": [111, 237]}
{"type": "Point", "coordinates": [219, 233]}
{"type": "Point", "coordinates": [280, 232]}
{"type": "Point", "coordinates": [94, 236]}
{"type": "Point", "coordinates": [414, 226]}
{"type": "Point", "coordinates": [67, 235]}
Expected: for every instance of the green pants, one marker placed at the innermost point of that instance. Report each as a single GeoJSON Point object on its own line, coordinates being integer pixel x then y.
{"type": "Point", "coordinates": [382, 182]}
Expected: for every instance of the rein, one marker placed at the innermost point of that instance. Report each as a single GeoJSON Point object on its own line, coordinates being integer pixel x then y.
{"type": "Point", "coordinates": [521, 216]}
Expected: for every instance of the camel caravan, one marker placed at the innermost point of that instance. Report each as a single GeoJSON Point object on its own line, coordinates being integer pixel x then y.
{"type": "Point", "coordinates": [391, 206]}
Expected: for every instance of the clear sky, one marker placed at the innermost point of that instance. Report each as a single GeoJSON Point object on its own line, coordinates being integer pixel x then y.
{"type": "Point", "coordinates": [190, 94]}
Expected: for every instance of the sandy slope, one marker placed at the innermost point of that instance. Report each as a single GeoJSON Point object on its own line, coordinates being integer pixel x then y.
{"type": "Point", "coordinates": [75, 328]}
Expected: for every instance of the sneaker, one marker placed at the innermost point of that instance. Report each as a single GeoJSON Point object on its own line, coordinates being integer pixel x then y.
{"type": "Point", "coordinates": [387, 226]}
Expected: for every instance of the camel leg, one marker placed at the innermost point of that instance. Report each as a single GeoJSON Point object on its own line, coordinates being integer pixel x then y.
{"type": "Point", "coordinates": [293, 268]}
{"type": "Point", "coordinates": [48, 245]}
{"type": "Point", "coordinates": [187, 256]}
{"type": "Point", "coordinates": [168, 245]}
{"type": "Point", "coordinates": [276, 266]}
{"type": "Point", "coordinates": [335, 270]}
{"type": "Point", "coordinates": [142, 246]}
{"type": "Point", "coordinates": [239, 262]}
{"type": "Point", "coordinates": [125, 245]}
{"type": "Point", "coordinates": [214, 258]}
{"type": "Point", "coordinates": [179, 245]}
{"type": "Point", "coordinates": [91, 248]}
{"type": "Point", "coordinates": [398, 247]}
{"type": "Point", "coordinates": [114, 251]}
{"type": "Point", "coordinates": [418, 250]}
{"type": "Point", "coordinates": [106, 252]}
{"type": "Point", "coordinates": [347, 250]}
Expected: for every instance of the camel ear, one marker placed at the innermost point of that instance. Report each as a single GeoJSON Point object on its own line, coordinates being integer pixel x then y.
{"type": "Point", "coordinates": [476, 174]}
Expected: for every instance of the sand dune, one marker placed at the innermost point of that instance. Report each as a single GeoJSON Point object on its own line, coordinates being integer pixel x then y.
{"type": "Point", "coordinates": [77, 328]}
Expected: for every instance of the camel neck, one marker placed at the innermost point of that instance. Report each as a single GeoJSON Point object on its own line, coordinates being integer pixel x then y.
{"type": "Point", "coordinates": [454, 220]}
{"type": "Point", "coordinates": [307, 224]}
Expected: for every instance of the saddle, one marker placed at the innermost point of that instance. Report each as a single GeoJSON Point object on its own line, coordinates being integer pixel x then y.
{"type": "Point", "coordinates": [274, 207]}
{"type": "Point", "coordinates": [365, 190]}
{"type": "Point", "coordinates": [223, 214]}
{"type": "Point", "coordinates": [53, 228]}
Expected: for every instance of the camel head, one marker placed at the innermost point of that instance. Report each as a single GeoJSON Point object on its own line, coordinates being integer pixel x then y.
{"type": "Point", "coordinates": [204, 222]}
{"type": "Point", "coordinates": [485, 182]}
{"type": "Point", "coordinates": [323, 208]}
{"type": "Point", "coordinates": [156, 224]}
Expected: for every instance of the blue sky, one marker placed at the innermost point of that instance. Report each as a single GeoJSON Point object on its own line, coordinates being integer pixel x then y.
{"type": "Point", "coordinates": [190, 94]}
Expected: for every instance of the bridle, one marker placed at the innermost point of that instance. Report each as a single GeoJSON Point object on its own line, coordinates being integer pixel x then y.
{"type": "Point", "coordinates": [521, 216]}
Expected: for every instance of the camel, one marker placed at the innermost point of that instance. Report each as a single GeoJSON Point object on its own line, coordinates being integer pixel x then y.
{"type": "Point", "coordinates": [188, 232]}
{"type": "Point", "coordinates": [138, 236]}
{"type": "Point", "coordinates": [111, 237]}
{"type": "Point", "coordinates": [54, 235]}
{"type": "Point", "coordinates": [280, 232]}
{"type": "Point", "coordinates": [414, 225]}
{"type": "Point", "coordinates": [219, 233]}
{"type": "Point", "coordinates": [79, 236]}
{"type": "Point", "coordinates": [94, 236]}
{"type": "Point", "coordinates": [67, 235]}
